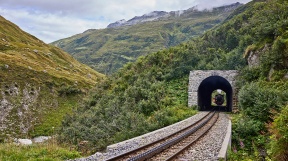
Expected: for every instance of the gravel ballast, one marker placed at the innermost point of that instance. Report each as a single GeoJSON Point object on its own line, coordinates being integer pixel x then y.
{"type": "Point", "coordinates": [208, 147]}
{"type": "Point", "coordinates": [127, 145]}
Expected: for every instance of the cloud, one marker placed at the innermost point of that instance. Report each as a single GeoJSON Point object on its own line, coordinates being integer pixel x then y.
{"type": "Point", "coordinates": [207, 4]}
{"type": "Point", "coordinates": [50, 27]}
{"type": "Point", "coordinates": [52, 20]}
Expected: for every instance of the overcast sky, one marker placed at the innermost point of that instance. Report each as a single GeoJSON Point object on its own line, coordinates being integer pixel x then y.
{"type": "Point", "coordinates": [51, 20]}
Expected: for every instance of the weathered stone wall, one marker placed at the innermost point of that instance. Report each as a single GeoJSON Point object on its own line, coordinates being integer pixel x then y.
{"type": "Point", "coordinates": [197, 76]}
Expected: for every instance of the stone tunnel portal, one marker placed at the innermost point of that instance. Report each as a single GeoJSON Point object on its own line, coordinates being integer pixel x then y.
{"type": "Point", "coordinates": [207, 86]}
{"type": "Point", "coordinates": [203, 82]}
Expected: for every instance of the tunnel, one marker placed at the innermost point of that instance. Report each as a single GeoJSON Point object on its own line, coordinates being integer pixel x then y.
{"type": "Point", "coordinates": [207, 86]}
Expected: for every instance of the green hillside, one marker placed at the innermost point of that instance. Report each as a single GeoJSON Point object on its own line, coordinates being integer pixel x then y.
{"type": "Point", "coordinates": [152, 92]}
{"type": "Point", "coordinates": [107, 50]}
{"type": "Point", "coordinates": [39, 84]}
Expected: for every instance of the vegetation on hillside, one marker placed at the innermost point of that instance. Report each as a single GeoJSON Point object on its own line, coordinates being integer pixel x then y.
{"type": "Point", "coordinates": [39, 84]}
{"type": "Point", "coordinates": [144, 95]}
{"type": "Point", "coordinates": [107, 50]}
{"type": "Point", "coordinates": [152, 92]}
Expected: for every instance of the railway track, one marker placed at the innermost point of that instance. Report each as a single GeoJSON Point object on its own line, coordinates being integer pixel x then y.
{"type": "Point", "coordinates": [171, 146]}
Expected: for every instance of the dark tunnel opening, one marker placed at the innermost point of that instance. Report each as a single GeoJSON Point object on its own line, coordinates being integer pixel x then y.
{"type": "Point", "coordinates": [206, 88]}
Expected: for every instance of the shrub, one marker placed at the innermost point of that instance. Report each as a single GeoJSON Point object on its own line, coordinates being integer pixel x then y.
{"type": "Point", "coordinates": [69, 90]}
{"type": "Point", "coordinates": [257, 101]}
{"type": "Point", "coordinates": [170, 115]}
{"type": "Point", "coordinates": [244, 130]}
{"type": "Point", "coordinates": [249, 74]}
{"type": "Point", "coordinates": [279, 138]}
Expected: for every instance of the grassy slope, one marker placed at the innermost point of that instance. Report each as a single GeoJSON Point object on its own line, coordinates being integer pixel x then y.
{"type": "Point", "coordinates": [44, 151]}
{"type": "Point", "coordinates": [152, 92]}
{"type": "Point", "coordinates": [107, 50]}
{"type": "Point", "coordinates": [22, 50]}
{"type": "Point", "coordinates": [33, 73]}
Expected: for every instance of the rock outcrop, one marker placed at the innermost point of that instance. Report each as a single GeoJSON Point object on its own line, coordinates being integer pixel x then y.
{"type": "Point", "coordinates": [17, 107]}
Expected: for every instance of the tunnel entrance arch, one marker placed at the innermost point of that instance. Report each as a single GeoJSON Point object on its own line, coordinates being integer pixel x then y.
{"type": "Point", "coordinates": [210, 84]}
{"type": "Point", "coordinates": [203, 82]}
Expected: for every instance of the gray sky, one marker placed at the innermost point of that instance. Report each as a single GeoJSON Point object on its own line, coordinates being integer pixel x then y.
{"type": "Point", "coordinates": [51, 20]}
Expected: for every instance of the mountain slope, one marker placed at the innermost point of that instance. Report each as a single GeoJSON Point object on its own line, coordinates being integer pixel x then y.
{"type": "Point", "coordinates": [152, 92]}
{"type": "Point", "coordinates": [107, 50]}
{"type": "Point", "coordinates": [37, 83]}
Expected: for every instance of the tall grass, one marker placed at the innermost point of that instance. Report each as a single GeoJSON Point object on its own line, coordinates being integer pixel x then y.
{"type": "Point", "coordinates": [43, 151]}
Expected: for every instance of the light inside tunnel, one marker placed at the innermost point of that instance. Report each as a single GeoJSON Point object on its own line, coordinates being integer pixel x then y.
{"type": "Point", "coordinates": [216, 92]}
{"type": "Point", "coordinates": [206, 89]}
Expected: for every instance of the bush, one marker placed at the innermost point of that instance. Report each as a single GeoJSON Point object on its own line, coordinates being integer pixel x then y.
{"type": "Point", "coordinates": [257, 101]}
{"type": "Point", "coordinates": [245, 130]}
{"type": "Point", "coordinates": [249, 75]}
{"type": "Point", "coordinates": [170, 115]}
{"type": "Point", "coordinates": [68, 90]}
{"type": "Point", "coordinates": [279, 138]}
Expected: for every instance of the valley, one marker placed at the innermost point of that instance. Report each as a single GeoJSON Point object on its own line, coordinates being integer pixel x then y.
{"type": "Point", "coordinates": [107, 50]}
{"type": "Point", "coordinates": [46, 91]}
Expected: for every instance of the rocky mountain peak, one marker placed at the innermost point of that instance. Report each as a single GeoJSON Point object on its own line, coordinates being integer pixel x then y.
{"type": "Point", "coordinates": [139, 19]}
{"type": "Point", "coordinates": [117, 23]}
{"type": "Point", "coordinates": [157, 15]}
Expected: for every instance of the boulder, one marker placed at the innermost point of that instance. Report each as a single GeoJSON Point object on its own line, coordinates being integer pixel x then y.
{"type": "Point", "coordinates": [41, 139]}
{"type": "Point", "coordinates": [24, 141]}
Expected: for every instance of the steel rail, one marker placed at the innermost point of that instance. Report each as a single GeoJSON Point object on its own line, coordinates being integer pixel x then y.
{"type": "Point", "coordinates": [193, 141]}
{"type": "Point", "coordinates": [150, 153]}
{"type": "Point", "coordinates": [120, 156]}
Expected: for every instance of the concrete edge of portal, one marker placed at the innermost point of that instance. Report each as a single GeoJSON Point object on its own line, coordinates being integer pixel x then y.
{"type": "Point", "coordinates": [222, 155]}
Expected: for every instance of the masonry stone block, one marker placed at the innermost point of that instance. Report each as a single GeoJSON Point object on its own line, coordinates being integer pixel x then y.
{"type": "Point", "coordinates": [197, 76]}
